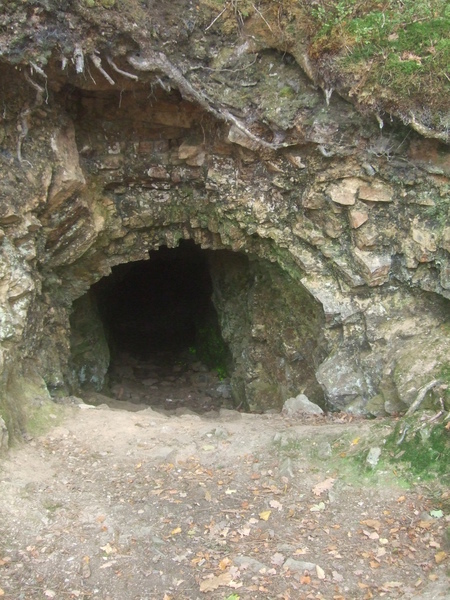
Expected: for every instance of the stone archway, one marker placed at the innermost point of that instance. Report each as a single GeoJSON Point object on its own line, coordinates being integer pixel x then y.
{"type": "Point", "coordinates": [245, 310]}
{"type": "Point", "coordinates": [327, 235]}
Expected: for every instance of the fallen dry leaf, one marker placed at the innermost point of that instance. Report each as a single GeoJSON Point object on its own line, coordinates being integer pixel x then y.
{"type": "Point", "coordinates": [108, 549]}
{"type": "Point", "coordinates": [213, 583]}
{"type": "Point", "coordinates": [276, 504]}
{"type": "Point", "coordinates": [440, 557]}
{"type": "Point", "coordinates": [372, 535]}
{"type": "Point", "coordinates": [323, 486]}
{"type": "Point", "coordinates": [277, 559]}
{"type": "Point", "coordinates": [175, 531]}
{"type": "Point", "coordinates": [305, 579]}
{"type": "Point", "coordinates": [265, 514]}
{"type": "Point", "coordinates": [320, 572]}
{"type": "Point", "coordinates": [372, 523]}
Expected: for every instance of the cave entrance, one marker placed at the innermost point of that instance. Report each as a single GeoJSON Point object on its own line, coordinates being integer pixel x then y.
{"type": "Point", "coordinates": [161, 329]}
{"type": "Point", "coordinates": [198, 329]}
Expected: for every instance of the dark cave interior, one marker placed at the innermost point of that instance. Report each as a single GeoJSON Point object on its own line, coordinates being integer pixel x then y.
{"type": "Point", "coordinates": [161, 305]}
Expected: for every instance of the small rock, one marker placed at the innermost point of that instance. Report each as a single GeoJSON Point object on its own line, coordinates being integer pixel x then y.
{"type": "Point", "coordinates": [376, 192]}
{"type": "Point", "coordinates": [375, 266]}
{"type": "Point", "coordinates": [373, 457]}
{"type": "Point", "coordinates": [300, 405]}
{"type": "Point", "coordinates": [357, 218]}
{"type": "Point", "coordinates": [246, 562]}
{"type": "Point", "coordinates": [344, 192]}
{"type": "Point", "coordinates": [298, 566]}
{"type": "Point", "coordinates": [324, 450]}
{"type": "Point", "coordinates": [224, 390]}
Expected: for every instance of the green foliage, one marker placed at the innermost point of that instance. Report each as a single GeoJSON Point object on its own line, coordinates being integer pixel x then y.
{"type": "Point", "coordinates": [444, 376]}
{"type": "Point", "coordinates": [425, 451]}
{"type": "Point", "coordinates": [400, 44]}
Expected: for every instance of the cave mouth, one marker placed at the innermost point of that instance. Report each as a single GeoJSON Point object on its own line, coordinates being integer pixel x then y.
{"type": "Point", "coordinates": [200, 329]}
{"type": "Point", "coordinates": [162, 329]}
{"type": "Point", "coordinates": [158, 306]}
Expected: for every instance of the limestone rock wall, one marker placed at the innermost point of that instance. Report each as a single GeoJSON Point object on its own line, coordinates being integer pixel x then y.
{"type": "Point", "coordinates": [340, 228]}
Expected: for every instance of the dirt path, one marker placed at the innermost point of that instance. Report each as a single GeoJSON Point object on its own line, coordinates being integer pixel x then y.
{"type": "Point", "coordinates": [121, 505]}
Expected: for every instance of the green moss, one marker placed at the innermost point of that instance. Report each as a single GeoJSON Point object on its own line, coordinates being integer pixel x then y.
{"type": "Point", "coordinates": [42, 416]}
{"type": "Point", "coordinates": [444, 375]}
{"type": "Point", "coordinates": [211, 348]}
{"type": "Point", "coordinates": [287, 92]}
{"type": "Point", "coordinates": [407, 43]}
{"type": "Point", "coordinates": [26, 406]}
{"type": "Point", "coordinates": [425, 451]}
{"type": "Point", "coordinates": [100, 3]}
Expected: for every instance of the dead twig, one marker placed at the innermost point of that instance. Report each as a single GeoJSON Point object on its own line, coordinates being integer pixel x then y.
{"type": "Point", "coordinates": [440, 413]}
{"type": "Point", "coordinates": [217, 18]}
{"type": "Point", "coordinates": [262, 17]}
{"type": "Point", "coordinates": [421, 396]}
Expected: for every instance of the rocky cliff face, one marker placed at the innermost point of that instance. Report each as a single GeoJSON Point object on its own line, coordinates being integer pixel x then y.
{"type": "Point", "coordinates": [326, 231]}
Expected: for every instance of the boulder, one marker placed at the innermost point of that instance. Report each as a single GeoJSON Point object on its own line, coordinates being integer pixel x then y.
{"type": "Point", "coordinates": [300, 405]}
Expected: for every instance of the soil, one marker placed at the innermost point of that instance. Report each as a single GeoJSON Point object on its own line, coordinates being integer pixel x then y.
{"type": "Point", "coordinates": [129, 501]}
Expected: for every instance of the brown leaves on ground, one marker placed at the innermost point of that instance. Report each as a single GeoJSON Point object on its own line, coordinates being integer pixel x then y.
{"type": "Point", "coordinates": [224, 533]}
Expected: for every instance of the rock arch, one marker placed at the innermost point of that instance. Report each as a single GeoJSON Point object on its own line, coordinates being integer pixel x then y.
{"type": "Point", "coordinates": [331, 214]}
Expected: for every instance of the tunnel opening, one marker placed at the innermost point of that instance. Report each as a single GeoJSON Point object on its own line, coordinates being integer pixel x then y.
{"type": "Point", "coordinates": [200, 329]}
{"type": "Point", "coordinates": [157, 328]}
{"type": "Point", "coordinates": [159, 306]}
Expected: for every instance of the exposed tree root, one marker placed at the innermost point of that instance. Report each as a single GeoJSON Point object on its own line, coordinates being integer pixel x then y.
{"type": "Point", "coordinates": [158, 61]}
{"type": "Point", "coordinates": [111, 63]}
{"type": "Point", "coordinates": [421, 396]}
{"type": "Point", "coordinates": [97, 61]}
{"type": "Point", "coordinates": [23, 121]}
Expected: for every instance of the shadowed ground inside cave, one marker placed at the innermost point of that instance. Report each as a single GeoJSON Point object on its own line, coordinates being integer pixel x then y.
{"type": "Point", "coordinates": [163, 333]}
